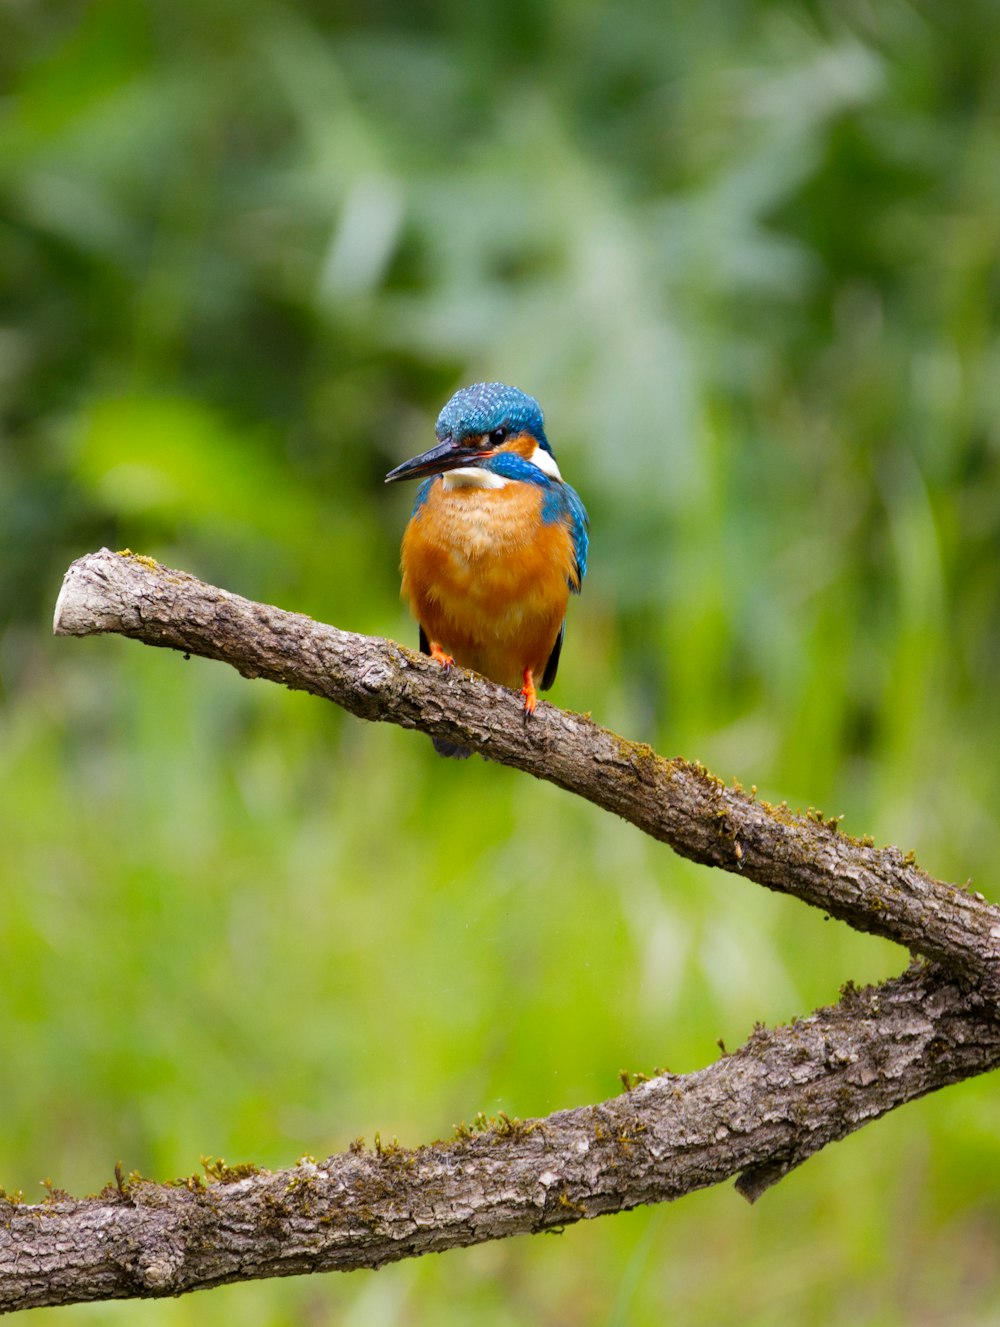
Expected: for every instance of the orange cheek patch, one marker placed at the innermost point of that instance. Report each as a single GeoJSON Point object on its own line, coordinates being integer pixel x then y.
{"type": "Point", "coordinates": [522, 444]}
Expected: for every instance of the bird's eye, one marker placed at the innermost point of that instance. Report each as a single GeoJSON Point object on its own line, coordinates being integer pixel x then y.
{"type": "Point", "coordinates": [498, 435]}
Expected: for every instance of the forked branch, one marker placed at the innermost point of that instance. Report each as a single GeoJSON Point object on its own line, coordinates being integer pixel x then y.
{"type": "Point", "coordinates": [755, 1114]}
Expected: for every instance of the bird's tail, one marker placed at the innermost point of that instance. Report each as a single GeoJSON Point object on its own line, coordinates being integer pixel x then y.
{"type": "Point", "coordinates": [452, 749]}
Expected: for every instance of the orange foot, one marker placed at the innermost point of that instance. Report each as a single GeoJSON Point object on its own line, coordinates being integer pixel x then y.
{"type": "Point", "coordinates": [439, 656]}
{"type": "Point", "coordinates": [529, 693]}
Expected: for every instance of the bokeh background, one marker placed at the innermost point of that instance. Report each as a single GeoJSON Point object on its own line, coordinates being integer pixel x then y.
{"type": "Point", "coordinates": [746, 255]}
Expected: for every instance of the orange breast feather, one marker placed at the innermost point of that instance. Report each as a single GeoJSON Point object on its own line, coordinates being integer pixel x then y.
{"type": "Point", "coordinates": [487, 579]}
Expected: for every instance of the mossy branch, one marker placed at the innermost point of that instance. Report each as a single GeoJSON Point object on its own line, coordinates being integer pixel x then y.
{"type": "Point", "coordinates": [880, 890]}
{"type": "Point", "coordinates": [755, 1114]}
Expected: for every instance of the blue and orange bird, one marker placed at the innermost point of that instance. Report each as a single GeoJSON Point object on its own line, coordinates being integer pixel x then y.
{"type": "Point", "coordinates": [495, 545]}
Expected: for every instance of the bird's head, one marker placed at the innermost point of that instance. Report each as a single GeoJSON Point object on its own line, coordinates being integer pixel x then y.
{"type": "Point", "coordinates": [480, 422]}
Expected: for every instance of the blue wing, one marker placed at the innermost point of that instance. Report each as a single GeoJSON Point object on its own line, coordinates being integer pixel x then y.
{"type": "Point", "coordinates": [579, 526]}
{"type": "Point", "coordinates": [563, 503]}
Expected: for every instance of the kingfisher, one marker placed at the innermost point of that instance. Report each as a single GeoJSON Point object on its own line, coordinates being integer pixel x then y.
{"type": "Point", "coordinates": [495, 544]}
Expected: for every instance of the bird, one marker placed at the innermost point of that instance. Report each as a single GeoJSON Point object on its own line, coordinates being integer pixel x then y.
{"type": "Point", "coordinates": [495, 544]}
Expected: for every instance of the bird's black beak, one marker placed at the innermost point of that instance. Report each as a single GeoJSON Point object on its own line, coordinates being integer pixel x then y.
{"type": "Point", "coordinates": [447, 455]}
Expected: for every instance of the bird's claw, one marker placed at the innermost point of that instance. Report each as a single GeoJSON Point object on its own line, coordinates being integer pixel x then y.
{"type": "Point", "coordinates": [529, 693]}
{"type": "Point", "coordinates": [439, 656]}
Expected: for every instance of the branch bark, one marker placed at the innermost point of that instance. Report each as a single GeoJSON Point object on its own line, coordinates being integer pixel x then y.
{"type": "Point", "coordinates": [756, 1113]}
{"type": "Point", "coordinates": [878, 890]}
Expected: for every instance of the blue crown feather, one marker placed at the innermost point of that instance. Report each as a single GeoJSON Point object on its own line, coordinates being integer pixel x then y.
{"type": "Point", "coordinates": [486, 406]}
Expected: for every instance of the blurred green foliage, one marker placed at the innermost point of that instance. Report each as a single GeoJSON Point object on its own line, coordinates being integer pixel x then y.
{"type": "Point", "coordinates": [746, 255]}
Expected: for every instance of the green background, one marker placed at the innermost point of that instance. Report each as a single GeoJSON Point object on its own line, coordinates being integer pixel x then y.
{"type": "Point", "coordinates": [746, 255]}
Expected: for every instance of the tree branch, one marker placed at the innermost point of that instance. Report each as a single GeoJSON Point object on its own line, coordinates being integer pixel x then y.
{"type": "Point", "coordinates": [878, 890]}
{"type": "Point", "coordinates": [756, 1114]}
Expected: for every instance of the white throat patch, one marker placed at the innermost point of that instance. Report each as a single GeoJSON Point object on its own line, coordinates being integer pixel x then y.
{"type": "Point", "coordinates": [471, 476]}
